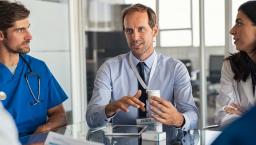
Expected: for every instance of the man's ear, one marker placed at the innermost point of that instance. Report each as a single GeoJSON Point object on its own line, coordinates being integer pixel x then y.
{"type": "Point", "coordinates": [1, 35]}
{"type": "Point", "coordinates": [155, 30]}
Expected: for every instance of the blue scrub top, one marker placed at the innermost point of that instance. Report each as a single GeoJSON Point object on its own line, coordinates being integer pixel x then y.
{"type": "Point", "coordinates": [19, 99]}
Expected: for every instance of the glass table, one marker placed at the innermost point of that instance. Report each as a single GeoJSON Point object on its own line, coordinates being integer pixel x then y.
{"type": "Point", "coordinates": [81, 131]}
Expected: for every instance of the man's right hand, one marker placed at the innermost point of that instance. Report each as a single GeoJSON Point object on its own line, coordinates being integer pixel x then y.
{"type": "Point", "coordinates": [124, 103]}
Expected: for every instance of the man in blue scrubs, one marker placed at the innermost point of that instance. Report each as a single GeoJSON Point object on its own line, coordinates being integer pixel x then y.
{"type": "Point", "coordinates": [31, 93]}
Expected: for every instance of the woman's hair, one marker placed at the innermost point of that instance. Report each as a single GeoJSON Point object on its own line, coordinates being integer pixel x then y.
{"type": "Point", "coordinates": [241, 64]}
{"type": "Point", "coordinates": [249, 9]}
{"type": "Point", "coordinates": [10, 12]}
{"type": "Point", "coordinates": [140, 8]}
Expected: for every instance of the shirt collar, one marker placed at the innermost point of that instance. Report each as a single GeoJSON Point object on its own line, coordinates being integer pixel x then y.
{"type": "Point", "coordinates": [149, 61]}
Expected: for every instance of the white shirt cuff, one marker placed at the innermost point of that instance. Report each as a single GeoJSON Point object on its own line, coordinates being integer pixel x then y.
{"type": "Point", "coordinates": [186, 125]}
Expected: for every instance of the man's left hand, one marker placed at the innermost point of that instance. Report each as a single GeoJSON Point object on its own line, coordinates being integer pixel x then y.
{"type": "Point", "coordinates": [164, 112]}
{"type": "Point", "coordinates": [43, 128]}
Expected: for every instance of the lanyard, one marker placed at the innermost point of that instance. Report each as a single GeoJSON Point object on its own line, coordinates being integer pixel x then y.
{"type": "Point", "coordinates": [143, 84]}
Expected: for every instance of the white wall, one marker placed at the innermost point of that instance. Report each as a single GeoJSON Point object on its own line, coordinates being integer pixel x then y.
{"type": "Point", "coordinates": [50, 31]}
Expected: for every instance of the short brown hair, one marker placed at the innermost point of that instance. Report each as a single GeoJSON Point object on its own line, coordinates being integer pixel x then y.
{"type": "Point", "coordinates": [10, 12]}
{"type": "Point", "coordinates": [140, 8]}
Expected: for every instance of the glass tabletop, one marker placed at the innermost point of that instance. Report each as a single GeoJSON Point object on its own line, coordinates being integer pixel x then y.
{"type": "Point", "coordinates": [81, 131]}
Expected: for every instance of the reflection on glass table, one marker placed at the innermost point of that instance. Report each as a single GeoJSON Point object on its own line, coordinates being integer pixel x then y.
{"type": "Point", "coordinates": [81, 131]}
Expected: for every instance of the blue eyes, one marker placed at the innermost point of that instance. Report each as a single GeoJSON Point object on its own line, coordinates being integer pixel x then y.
{"type": "Point", "coordinates": [142, 29]}
{"type": "Point", "coordinates": [130, 31]}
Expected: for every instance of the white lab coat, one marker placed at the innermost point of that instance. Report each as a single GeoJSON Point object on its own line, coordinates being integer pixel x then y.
{"type": "Point", "coordinates": [8, 131]}
{"type": "Point", "coordinates": [232, 91]}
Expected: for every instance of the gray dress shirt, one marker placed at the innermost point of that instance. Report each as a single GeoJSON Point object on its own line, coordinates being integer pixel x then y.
{"type": "Point", "coordinates": [116, 79]}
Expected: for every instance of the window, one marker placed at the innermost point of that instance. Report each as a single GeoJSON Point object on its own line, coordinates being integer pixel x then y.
{"type": "Point", "coordinates": [214, 23]}
{"type": "Point", "coordinates": [179, 22]}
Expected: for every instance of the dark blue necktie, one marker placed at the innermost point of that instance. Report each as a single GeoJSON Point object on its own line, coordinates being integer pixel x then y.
{"type": "Point", "coordinates": [143, 96]}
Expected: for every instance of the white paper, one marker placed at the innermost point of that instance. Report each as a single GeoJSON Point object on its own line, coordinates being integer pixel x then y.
{"type": "Point", "coordinates": [59, 139]}
{"type": "Point", "coordinates": [210, 136]}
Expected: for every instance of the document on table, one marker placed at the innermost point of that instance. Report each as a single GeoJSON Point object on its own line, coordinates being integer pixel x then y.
{"type": "Point", "coordinates": [59, 139]}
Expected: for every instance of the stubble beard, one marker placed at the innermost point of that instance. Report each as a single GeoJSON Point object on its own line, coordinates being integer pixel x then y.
{"type": "Point", "coordinates": [140, 54]}
{"type": "Point", "coordinates": [18, 49]}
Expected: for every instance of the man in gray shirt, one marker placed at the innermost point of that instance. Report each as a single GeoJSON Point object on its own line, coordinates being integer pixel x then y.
{"type": "Point", "coordinates": [119, 88]}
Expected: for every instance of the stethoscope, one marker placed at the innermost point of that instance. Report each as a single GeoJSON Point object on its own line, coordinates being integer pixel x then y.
{"type": "Point", "coordinates": [28, 74]}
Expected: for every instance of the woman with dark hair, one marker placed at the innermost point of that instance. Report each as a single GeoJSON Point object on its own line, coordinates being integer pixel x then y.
{"type": "Point", "coordinates": [238, 75]}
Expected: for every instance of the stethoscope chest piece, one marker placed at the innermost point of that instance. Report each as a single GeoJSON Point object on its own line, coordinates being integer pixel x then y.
{"type": "Point", "coordinates": [2, 95]}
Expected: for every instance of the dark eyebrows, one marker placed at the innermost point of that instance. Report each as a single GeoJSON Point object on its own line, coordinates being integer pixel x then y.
{"type": "Point", "coordinates": [23, 27]}
{"type": "Point", "coordinates": [127, 28]}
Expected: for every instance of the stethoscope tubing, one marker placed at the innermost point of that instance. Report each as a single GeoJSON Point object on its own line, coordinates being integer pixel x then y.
{"type": "Point", "coordinates": [31, 73]}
